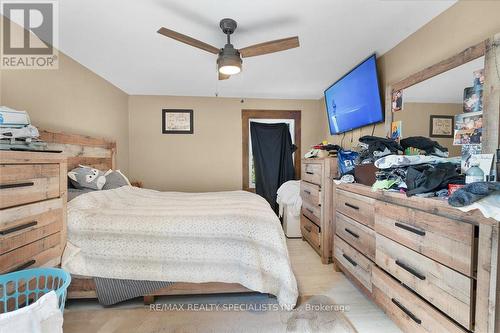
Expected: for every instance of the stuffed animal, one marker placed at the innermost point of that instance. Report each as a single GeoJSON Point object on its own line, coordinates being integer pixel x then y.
{"type": "Point", "coordinates": [86, 177]}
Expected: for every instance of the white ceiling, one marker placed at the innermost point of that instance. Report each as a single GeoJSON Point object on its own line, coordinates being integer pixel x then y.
{"type": "Point", "coordinates": [117, 39]}
{"type": "Point", "coordinates": [447, 87]}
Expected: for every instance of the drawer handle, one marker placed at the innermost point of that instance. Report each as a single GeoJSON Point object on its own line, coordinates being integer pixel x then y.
{"type": "Point", "coordinates": [405, 310]}
{"type": "Point", "coordinates": [410, 229]}
{"type": "Point", "coordinates": [17, 228]}
{"type": "Point", "coordinates": [350, 259]}
{"type": "Point", "coordinates": [308, 228]}
{"type": "Point", "coordinates": [310, 210]}
{"type": "Point", "coordinates": [410, 270]}
{"type": "Point", "coordinates": [14, 185]}
{"type": "Point", "coordinates": [351, 206]}
{"type": "Point", "coordinates": [355, 235]}
{"type": "Point", "coordinates": [23, 266]}
{"type": "Point", "coordinates": [310, 172]}
{"type": "Point", "coordinates": [307, 192]}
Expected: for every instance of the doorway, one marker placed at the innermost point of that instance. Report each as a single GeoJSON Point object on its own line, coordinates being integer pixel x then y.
{"type": "Point", "coordinates": [291, 118]}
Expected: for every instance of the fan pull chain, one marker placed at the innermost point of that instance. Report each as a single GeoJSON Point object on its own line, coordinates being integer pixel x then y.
{"type": "Point", "coordinates": [216, 82]}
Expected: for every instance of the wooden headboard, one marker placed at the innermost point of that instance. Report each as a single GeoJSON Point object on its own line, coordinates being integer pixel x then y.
{"type": "Point", "coordinates": [81, 149]}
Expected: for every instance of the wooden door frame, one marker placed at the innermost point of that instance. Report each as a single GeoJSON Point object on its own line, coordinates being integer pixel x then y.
{"type": "Point", "coordinates": [246, 115]}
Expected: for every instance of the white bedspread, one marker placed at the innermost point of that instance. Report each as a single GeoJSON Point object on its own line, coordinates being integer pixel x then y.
{"type": "Point", "coordinates": [133, 233]}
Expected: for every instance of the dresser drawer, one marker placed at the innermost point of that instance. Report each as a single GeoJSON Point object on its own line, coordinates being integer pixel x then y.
{"type": "Point", "coordinates": [352, 260]}
{"type": "Point", "coordinates": [23, 225]}
{"type": "Point", "coordinates": [312, 212]}
{"type": "Point", "coordinates": [448, 290]}
{"type": "Point", "coordinates": [311, 232]}
{"type": "Point", "coordinates": [32, 255]}
{"type": "Point", "coordinates": [26, 183]}
{"type": "Point", "coordinates": [310, 193]}
{"type": "Point", "coordinates": [312, 173]}
{"type": "Point", "coordinates": [448, 241]}
{"type": "Point", "coordinates": [357, 207]}
{"type": "Point", "coordinates": [408, 311]}
{"type": "Point", "coordinates": [356, 234]}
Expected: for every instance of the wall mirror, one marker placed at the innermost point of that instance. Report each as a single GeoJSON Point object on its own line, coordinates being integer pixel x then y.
{"type": "Point", "coordinates": [447, 107]}
{"type": "Point", "coordinates": [455, 102]}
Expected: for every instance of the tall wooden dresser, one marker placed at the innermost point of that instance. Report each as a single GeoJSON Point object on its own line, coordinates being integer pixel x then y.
{"type": "Point", "coordinates": [316, 217]}
{"type": "Point", "coordinates": [431, 267]}
{"type": "Point", "coordinates": [33, 189]}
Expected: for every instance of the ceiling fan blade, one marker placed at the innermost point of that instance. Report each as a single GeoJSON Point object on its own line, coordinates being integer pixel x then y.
{"type": "Point", "coordinates": [270, 47]}
{"type": "Point", "coordinates": [188, 40]}
{"type": "Point", "coordinates": [223, 76]}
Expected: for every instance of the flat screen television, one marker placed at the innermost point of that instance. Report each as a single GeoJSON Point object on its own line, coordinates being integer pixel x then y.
{"type": "Point", "coordinates": [354, 100]}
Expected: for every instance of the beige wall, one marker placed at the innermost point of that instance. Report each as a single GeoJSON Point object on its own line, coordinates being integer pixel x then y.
{"type": "Point", "coordinates": [416, 117]}
{"type": "Point", "coordinates": [209, 159]}
{"type": "Point", "coordinates": [461, 26]}
{"type": "Point", "coordinates": [71, 99]}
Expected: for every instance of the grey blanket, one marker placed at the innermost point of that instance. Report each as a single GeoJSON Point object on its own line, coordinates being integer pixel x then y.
{"type": "Point", "coordinates": [112, 291]}
{"type": "Point", "coordinates": [75, 192]}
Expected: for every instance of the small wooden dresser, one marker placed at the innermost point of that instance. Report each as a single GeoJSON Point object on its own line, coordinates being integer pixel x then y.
{"type": "Point", "coordinates": [33, 189]}
{"type": "Point", "coordinates": [431, 267]}
{"type": "Point", "coordinates": [316, 191]}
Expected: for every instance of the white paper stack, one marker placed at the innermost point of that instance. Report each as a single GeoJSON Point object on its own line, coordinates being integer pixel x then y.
{"type": "Point", "coordinates": [13, 118]}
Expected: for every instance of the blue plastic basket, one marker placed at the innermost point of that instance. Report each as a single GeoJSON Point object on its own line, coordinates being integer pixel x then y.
{"type": "Point", "coordinates": [22, 288]}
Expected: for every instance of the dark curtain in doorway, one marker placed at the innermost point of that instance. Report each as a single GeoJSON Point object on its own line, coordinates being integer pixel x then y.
{"type": "Point", "coordinates": [272, 151]}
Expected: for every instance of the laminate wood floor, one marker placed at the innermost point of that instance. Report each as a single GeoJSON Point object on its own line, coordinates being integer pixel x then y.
{"type": "Point", "coordinates": [318, 284]}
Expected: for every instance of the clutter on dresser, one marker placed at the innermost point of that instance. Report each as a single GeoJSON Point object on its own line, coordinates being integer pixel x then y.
{"type": "Point", "coordinates": [473, 192]}
{"type": "Point", "coordinates": [365, 174]}
{"type": "Point", "coordinates": [346, 160]}
{"type": "Point", "coordinates": [375, 147]}
{"type": "Point", "coordinates": [322, 150]}
{"type": "Point", "coordinates": [424, 170]}
{"type": "Point", "coordinates": [11, 118]}
{"type": "Point", "coordinates": [474, 174]}
{"type": "Point", "coordinates": [17, 133]}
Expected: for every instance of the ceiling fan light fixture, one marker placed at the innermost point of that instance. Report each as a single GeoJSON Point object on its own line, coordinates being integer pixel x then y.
{"type": "Point", "coordinates": [229, 61]}
{"type": "Point", "coordinates": [229, 70]}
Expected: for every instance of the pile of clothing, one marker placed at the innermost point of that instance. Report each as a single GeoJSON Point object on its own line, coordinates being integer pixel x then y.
{"type": "Point", "coordinates": [430, 147]}
{"type": "Point", "coordinates": [484, 196]}
{"type": "Point", "coordinates": [472, 193]}
{"type": "Point", "coordinates": [423, 175]}
{"type": "Point", "coordinates": [374, 147]}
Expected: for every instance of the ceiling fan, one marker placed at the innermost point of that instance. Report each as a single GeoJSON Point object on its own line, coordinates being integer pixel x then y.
{"type": "Point", "coordinates": [229, 59]}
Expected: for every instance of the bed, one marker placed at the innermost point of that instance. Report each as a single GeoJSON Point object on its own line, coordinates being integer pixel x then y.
{"type": "Point", "coordinates": [216, 242]}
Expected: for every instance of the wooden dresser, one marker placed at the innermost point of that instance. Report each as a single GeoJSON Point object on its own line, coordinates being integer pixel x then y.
{"type": "Point", "coordinates": [316, 191]}
{"type": "Point", "coordinates": [33, 192]}
{"type": "Point", "coordinates": [431, 267]}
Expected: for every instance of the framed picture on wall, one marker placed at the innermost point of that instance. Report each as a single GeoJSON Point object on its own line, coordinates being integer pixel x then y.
{"type": "Point", "coordinates": [176, 121]}
{"type": "Point", "coordinates": [441, 126]}
{"type": "Point", "coordinates": [397, 100]}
